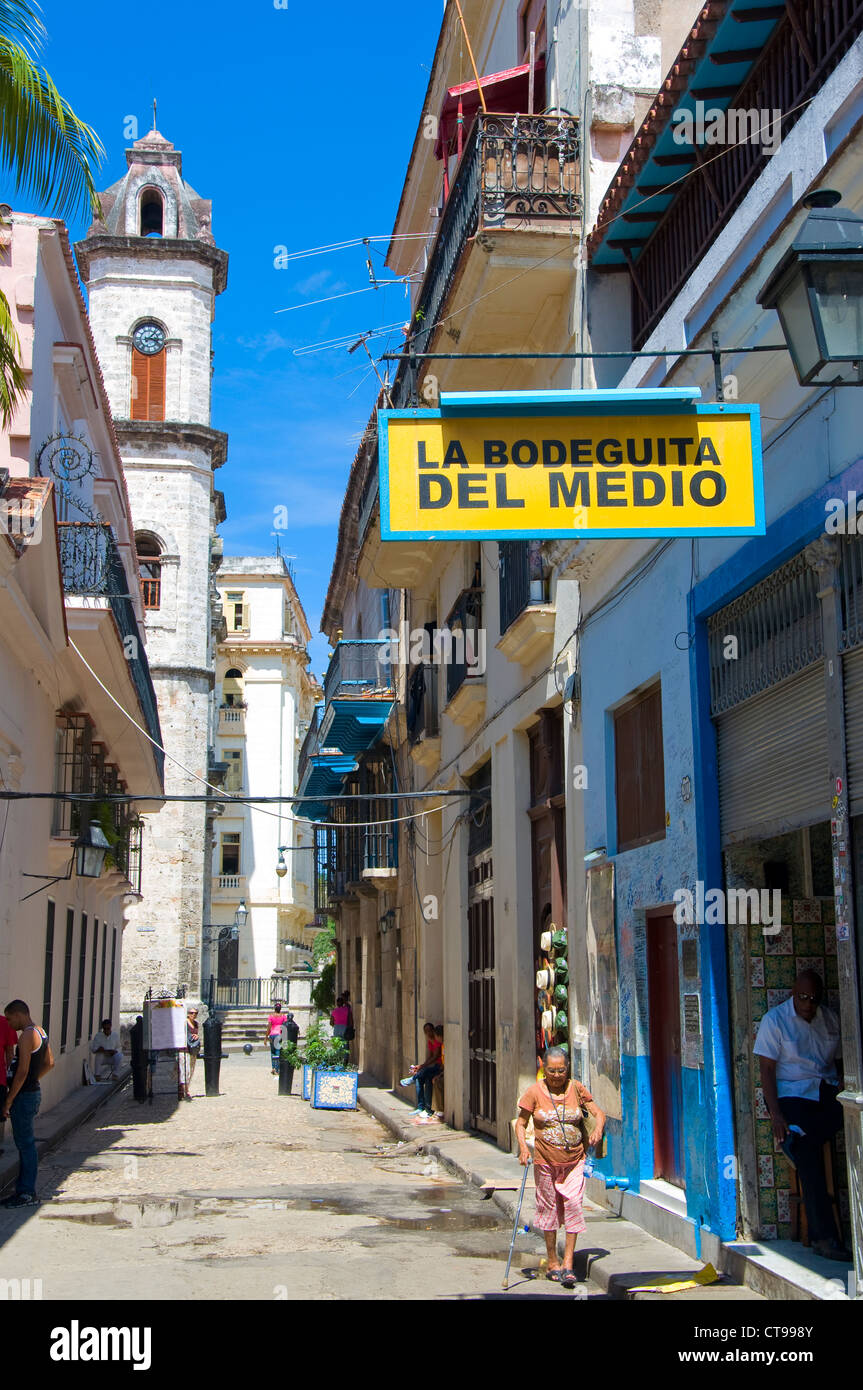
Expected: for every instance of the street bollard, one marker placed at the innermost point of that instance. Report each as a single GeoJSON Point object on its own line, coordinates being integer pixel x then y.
{"type": "Point", "coordinates": [286, 1076]}
{"type": "Point", "coordinates": [213, 1055]}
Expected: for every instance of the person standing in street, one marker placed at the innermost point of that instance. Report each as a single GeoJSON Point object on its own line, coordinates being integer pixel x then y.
{"type": "Point", "coordinates": [557, 1104]}
{"type": "Point", "coordinates": [193, 1044]}
{"type": "Point", "coordinates": [797, 1047]}
{"type": "Point", "coordinates": [8, 1043]}
{"type": "Point", "coordinates": [274, 1035]}
{"type": "Point", "coordinates": [34, 1059]}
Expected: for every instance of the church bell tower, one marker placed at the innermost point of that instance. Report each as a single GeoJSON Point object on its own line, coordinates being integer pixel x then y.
{"type": "Point", "coordinates": [153, 271]}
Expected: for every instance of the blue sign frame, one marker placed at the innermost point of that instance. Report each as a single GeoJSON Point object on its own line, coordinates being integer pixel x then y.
{"type": "Point", "coordinates": [624, 404]}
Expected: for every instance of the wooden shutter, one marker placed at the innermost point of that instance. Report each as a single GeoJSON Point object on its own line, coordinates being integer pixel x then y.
{"type": "Point", "coordinates": [148, 386]}
{"type": "Point", "coordinates": [639, 772]}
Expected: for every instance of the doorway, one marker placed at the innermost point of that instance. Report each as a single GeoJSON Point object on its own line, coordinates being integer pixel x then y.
{"type": "Point", "coordinates": [666, 1082]}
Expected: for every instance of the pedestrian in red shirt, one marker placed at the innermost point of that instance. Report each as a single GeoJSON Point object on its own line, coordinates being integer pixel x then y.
{"type": "Point", "coordinates": [8, 1043]}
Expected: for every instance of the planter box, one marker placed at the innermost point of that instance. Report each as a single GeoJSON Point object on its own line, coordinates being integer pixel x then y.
{"type": "Point", "coordinates": [308, 1075]}
{"type": "Point", "coordinates": [335, 1090]}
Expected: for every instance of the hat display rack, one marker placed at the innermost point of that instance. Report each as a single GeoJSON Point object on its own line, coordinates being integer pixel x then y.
{"type": "Point", "coordinates": [552, 989]}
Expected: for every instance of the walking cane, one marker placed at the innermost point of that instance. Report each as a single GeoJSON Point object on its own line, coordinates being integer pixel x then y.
{"type": "Point", "coordinates": [515, 1225]}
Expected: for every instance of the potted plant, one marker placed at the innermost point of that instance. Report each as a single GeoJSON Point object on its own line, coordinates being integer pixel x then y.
{"type": "Point", "coordinates": [334, 1085]}
{"type": "Point", "coordinates": [315, 1054]}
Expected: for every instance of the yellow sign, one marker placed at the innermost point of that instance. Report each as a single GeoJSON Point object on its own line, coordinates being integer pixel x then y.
{"type": "Point", "coordinates": [456, 476]}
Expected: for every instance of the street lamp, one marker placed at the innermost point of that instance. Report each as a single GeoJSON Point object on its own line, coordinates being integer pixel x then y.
{"type": "Point", "coordinates": [817, 291]}
{"type": "Point", "coordinates": [281, 866]}
{"type": "Point", "coordinates": [241, 914]}
{"type": "Point", "coordinates": [91, 847]}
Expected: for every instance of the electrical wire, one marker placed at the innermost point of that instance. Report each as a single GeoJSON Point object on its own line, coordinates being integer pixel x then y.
{"type": "Point", "coordinates": [224, 796]}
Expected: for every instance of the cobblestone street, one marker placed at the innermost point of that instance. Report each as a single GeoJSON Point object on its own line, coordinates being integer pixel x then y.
{"type": "Point", "coordinates": [252, 1195]}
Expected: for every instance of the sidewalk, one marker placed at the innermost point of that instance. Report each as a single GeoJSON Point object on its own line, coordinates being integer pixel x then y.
{"type": "Point", "coordinates": [52, 1127]}
{"type": "Point", "coordinates": [619, 1254]}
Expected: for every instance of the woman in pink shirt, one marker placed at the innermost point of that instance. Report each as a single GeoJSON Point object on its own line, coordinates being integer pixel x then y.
{"type": "Point", "coordinates": [274, 1035]}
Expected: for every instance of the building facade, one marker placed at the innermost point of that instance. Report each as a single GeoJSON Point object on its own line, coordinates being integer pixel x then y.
{"type": "Point", "coordinates": [265, 698]}
{"type": "Point", "coordinates": [478, 638]}
{"type": "Point", "coordinates": [727, 667]}
{"type": "Point", "coordinates": [78, 712]}
{"type": "Point", "coordinates": [153, 272]}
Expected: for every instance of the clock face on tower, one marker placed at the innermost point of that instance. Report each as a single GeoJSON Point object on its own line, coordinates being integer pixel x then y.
{"type": "Point", "coordinates": [149, 338]}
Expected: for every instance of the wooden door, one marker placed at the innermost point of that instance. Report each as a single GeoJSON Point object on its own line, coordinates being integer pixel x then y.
{"type": "Point", "coordinates": [663, 991]}
{"type": "Point", "coordinates": [482, 1021]}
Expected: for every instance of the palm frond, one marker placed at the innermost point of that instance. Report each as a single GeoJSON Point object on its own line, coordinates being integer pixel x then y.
{"type": "Point", "coordinates": [20, 22]}
{"type": "Point", "coordinates": [50, 152]}
{"type": "Point", "coordinates": [13, 383]}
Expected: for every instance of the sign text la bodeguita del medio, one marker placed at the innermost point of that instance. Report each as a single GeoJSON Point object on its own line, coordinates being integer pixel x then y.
{"type": "Point", "coordinates": [557, 464]}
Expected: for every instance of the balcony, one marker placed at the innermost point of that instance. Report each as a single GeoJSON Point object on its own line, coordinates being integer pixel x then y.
{"type": "Point", "coordinates": [464, 658]}
{"type": "Point", "coordinates": [232, 721]}
{"type": "Point", "coordinates": [659, 223]}
{"type": "Point", "coordinates": [92, 568]}
{"type": "Point", "coordinates": [423, 719]}
{"type": "Point", "coordinates": [526, 617]}
{"type": "Point", "coordinates": [310, 742]}
{"type": "Point", "coordinates": [229, 887]}
{"type": "Point", "coordinates": [358, 690]}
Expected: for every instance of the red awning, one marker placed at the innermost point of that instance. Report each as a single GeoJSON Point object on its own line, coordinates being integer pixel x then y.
{"type": "Point", "coordinates": [504, 92]}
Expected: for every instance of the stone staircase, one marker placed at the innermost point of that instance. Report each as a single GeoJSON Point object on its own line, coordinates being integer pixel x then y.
{"type": "Point", "coordinates": [240, 1026]}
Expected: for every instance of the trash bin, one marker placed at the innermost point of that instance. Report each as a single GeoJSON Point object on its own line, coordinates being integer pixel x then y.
{"type": "Point", "coordinates": [286, 1076]}
{"type": "Point", "coordinates": [213, 1055]}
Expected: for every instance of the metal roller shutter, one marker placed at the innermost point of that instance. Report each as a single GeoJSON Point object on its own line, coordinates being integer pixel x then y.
{"type": "Point", "coordinates": [773, 760]}
{"type": "Point", "coordinates": [852, 670]}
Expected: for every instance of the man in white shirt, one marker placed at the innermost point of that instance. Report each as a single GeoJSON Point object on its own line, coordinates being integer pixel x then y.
{"type": "Point", "coordinates": [797, 1046]}
{"type": "Point", "coordinates": [106, 1052]}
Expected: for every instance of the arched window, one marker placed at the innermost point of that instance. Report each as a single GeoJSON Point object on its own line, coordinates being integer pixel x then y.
{"type": "Point", "coordinates": [150, 564]}
{"type": "Point", "coordinates": [232, 689]}
{"type": "Point", "coordinates": [152, 213]}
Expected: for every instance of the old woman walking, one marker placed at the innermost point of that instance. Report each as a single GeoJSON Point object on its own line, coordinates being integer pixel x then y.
{"type": "Point", "coordinates": [557, 1104]}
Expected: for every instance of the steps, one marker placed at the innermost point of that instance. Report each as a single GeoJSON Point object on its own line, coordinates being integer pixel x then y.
{"type": "Point", "coordinates": [241, 1026]}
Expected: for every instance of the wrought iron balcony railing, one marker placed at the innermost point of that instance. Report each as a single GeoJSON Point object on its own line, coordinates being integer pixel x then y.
{"type": "Point", "coordinates": [466, 655]}
{"type": "Point", "coordinates": [521, 579]}
{"type": "Point", "coordinates": [808, 44]}
{"type": "Point", "coordinates": [515, 171]}
{"type": "Point", "coordinates": [422, 703]}
{"type": "Point", "coordinates": [310, 742]}
{"type": "Point", "coordinates": [357, 670]}
{"type": "Point", "coordinates": [91, 565]}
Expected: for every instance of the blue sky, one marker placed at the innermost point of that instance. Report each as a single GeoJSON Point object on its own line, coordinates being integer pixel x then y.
{"type": "Point", "coordinates": [298, 123]}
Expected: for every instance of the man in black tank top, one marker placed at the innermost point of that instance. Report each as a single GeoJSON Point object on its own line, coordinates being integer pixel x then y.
{"type": "Point", "coordinates": [24, 1098]}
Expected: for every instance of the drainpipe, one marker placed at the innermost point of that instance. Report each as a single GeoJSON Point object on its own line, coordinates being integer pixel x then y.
{"type": "Point", "coordinates": [823, 555]}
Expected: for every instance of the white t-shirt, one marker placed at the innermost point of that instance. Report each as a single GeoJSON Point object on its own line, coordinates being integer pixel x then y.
{"type": "Point", "coordinates": [804, 1053]}
{"type": "Point", "coordinates": [110, 1042]}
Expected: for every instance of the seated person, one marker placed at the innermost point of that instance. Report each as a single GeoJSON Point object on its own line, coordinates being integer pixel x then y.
{"type": "Point", "coordinates": [106, 1053]}
{"type": "Point", "coordinates": [797, 1046]}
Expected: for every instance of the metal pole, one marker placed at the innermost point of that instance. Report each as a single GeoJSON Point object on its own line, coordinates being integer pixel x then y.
{"type": "Point", "coordinates": [717, 368]}
{"type": "Point", "coordinates": [570, 356]}
{"type": "Point", "coordinates": [470, 55]}
{"type": "Point", "coordinates": [515, 1225]}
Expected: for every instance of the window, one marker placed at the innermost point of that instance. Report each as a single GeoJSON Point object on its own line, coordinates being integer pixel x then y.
{"type": "Point", "coordinates": [234, 776]}
{"type": "Point", "coordinates": [639, 771]}
{"type": "Point", "coordinates": [150, 564]}
{"type": "Point", "coordinates": [531, 19]}
{"type": "Point", "coordinates": [230, 852]}
{"type": "Point", "coordinates": [113, 971]}
{"type": "Point", "coordinates": [102, 976]}
{"type": "Point", "coordinates": [67, 976]}
{"type": "Point", "coordinates": [73, 769]}
{"type": "Point", "coordinates": [238, 616]}
{"type": "Point", "coordinates": [82, 970]}
{"type": "Point", "coordinates": [49, 969]}
{"type": "Point", "coordinates": [92, 977]}
{"type": "Point", "coordinates": [148, 385]}
{"type": "Point", "coordinates": [152, 213]}
{"type": "Point", "coordinates": [232, 689]}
